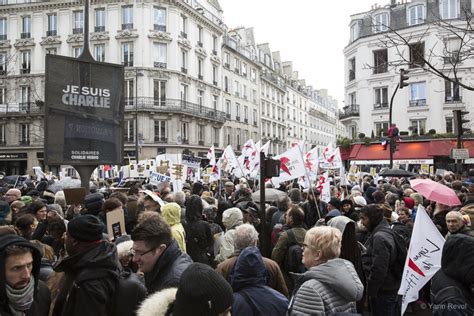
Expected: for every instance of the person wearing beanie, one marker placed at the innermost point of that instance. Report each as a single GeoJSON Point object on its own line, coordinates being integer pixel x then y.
{"type": "Point", "coordinates": [231, 218]}
{"type": "Point", "coordinates": [201, 292]}
{"type": "Point", "coordinates": [91, 270]}
{"type": "Point", "coordinates": [172, 215]}
{"type": "Point", "coordinates": [348, 210]}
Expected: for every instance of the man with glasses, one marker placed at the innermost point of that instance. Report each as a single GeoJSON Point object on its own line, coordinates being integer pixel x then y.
{"type": "Point", "coordinates": [157, 253]}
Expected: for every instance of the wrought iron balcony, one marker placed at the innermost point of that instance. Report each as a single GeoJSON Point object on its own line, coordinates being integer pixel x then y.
{"type": "Point", "coordinates": [25, 35]}
{"type": "Point", "coordinates": [77, 30]}
{"type": "Point", "coordinates": [157, 64]}
{"type": "Point", "coordinates": [419, 102]}
{"type": "Point", "coordinates": [201, 143]}
{"type": "Point", "coordinates": [174, 106]}
{"type": "Point", "coordinates": [453, 99]}
{"type": "Point", "coordinates": [159, 28]}
{"type": "Point", "coordinates": [51, 33]}
{"type": "Point", "coordinates": [98, 29]}
{"type": "Point", "coordinates": [159, 139]}
{"type": "Point", "coordinates": [3, 37]}
{"type": "Point", "coordinates": [350, 110]}
{"type": "Point", "coordinates": [18, 109]}
{"type": "Point", "coordinates": [127, 26]}
{"type": "Point", "coordinates": [381, 106]}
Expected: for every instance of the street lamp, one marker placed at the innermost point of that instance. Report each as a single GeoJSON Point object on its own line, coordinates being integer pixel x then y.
{"type": "Point", "coordinates": [137, 74]}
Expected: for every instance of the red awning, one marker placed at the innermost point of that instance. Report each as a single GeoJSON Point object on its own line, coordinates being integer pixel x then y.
{"type": "Point", "coordinates": [441, 147]}
{"type": "Point", "coordinates": [405, 150]}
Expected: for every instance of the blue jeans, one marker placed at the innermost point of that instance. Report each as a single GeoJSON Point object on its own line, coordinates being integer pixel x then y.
{"type": "Point", "coordinates": [384, 305]}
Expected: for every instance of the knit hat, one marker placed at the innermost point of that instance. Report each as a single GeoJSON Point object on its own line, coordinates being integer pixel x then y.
{"type": "Point", "coordinates": [93, 203]}
{"type": "Point", "coordinates": [26, 199]}
{"type": "Point", "coordinates": [335, 202]}
{"type": "Point", "coordinates": [409, 202]}
{"type": "Point", "coordinates": [202, 291]}
{"type": "Point", "coordinates": [359, 201]}
{"type": "Point", "coordinates": [85, 228]}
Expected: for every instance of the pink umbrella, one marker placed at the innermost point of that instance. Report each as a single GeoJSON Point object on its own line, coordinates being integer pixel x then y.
{"type": "Point", "coordinates": [435, 191]}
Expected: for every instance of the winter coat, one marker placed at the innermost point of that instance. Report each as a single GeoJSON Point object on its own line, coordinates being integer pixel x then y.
{"type": "Point", "coordinates": [159, 303]}
{"type": "Point", "coordinates": [379, 256]}
{"type": "Point", "coordinates": [311, 213]}
{"type": "Point", "coordinates": [454, 278]}
{"type": "Point", "coordinates": [46, 270]}
{"type": "Point", "coordinates": [168, 269]}
{"type": "Point", "coordinates": [42, 296]}
{"type": "Point", "coordinates": [231, 218]}
{"type": "Point", "coordinates": [251, 294]}
{"type": "Point", "coordinates": [172, 215]}
{"type": "Point", "coordinates": [331, 287]}
{"type": "Point", "coordinates": [463, 230]}
{"type": "Point", "coordinates": [199, 241]}
{"type": "Point", "coordinates": [282, 245]}
{"type": "Point", "coordinates": [89, 283]}
{"type": "Point", "coordinates": [275, 278]}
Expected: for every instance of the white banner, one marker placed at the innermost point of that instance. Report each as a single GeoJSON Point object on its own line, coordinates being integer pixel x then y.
{"type": "Point", "coordinates": [157, 178]}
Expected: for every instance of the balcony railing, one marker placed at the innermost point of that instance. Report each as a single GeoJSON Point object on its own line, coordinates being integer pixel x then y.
{"type": "Point", "coordinates": [419, 102]}
{"type": "Point", "coordinates": [77, 30]}
{"type": "Point", "coordinates": [349, 110]}
{"type": "Point", "coordinates": [99, 28]}
{"type": "Point", "coordinates": [175, 106]}
{"type": "Point", "coordinates": [159, 139]}
{"type": "Point", "coordinates": [25, 35]}
{"type": "Point", "coordinates": [201, 143]}
{"type": "Point", "coordinates": [51, 33]}
{"type": "Point", "coordinates": [200, 44]}
{"type": "Point", "coordinates": [453, 99]}
{"type": "Point", "coordinates": [184, 70]}
{"type": "Point", "coordinates": [380, 106]}
{"type": "Point", "coordinates": [20, 108]}
{"type": "Point", "coordinates": [3, 37]}
{"type": "Point", "coordinates": [183, 35]}
{"type": "Point", "coordinates": [25, 70]}
{"type": "Point", "coordinates": [216, 144]}
{"type": "Point", "coordinates": [159, 28]}
{"type": "Point", "coordinates": [158, 64]}
{"type": "Point", "coordinates": [24, 142]}
{"type": "Point", "coordinates": [127, 26]}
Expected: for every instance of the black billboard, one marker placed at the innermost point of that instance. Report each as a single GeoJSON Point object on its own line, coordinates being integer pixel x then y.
{"type": "Point", "coordinates": [83, 112]}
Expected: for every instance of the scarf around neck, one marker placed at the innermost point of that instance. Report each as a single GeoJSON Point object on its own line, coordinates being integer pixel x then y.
{"type": "Point", "coordinates": [20, 300]}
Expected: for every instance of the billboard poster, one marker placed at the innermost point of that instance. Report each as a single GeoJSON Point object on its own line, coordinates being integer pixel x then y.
{"type": "Point", "coordinates": [83, 112]}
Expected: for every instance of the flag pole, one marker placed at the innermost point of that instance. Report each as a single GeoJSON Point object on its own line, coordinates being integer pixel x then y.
{"type": "Point", "coordinates": [309, 180]}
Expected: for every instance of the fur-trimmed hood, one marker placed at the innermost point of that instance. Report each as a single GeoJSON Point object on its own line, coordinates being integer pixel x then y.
{"type": "Point", "coordinates": [158, 304]}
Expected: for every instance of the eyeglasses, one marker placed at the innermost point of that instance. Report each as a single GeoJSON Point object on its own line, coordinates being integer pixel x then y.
{"type": "Point", "coordinates": [134, 253]}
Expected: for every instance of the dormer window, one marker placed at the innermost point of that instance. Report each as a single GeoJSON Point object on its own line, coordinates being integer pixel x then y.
{"type": "Point", "coordinates": [416, 14]}
{"type": "Point", "coordinates": [355, 29]}
{"type": "Point", "coordinates": [381, 22]}
{"type": "Point", "coordinates": [449, 9]}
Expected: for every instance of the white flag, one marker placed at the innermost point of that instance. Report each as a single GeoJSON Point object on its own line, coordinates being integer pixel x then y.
{"type": "Point", "coordinates": [311, 161]}
{"type": "Point", "coordinates": [216, 171]}
{"type": "Point", "coordinates": [230, 159]}
{"type": "Point", "coordinates": [325, 187]}
{"type": "Point", "coordinates": [39, 173]}
{"type": "Point", "coordinates": [211, 155]}
{"type": "Point", "coordinates": [291, 166]}
{"type": "Point", "coordinates": [423, 259]}
{"type": "Point", "coordinates": [331, 157]}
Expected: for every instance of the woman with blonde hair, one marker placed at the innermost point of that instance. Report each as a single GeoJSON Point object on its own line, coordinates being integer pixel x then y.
{"type": "Point", "coordinates": [331, 284]}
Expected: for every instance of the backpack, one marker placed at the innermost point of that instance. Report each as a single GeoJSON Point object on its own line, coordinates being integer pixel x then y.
{"type": "Point", "coordinates": [401, 247]}
{"type": "Point", "coordinates": [129, 294]}
{"type": "Point", "coordinates": [294, 255]}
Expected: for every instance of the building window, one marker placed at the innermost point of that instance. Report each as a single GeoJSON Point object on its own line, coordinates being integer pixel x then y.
{"type": "Point", "coordinates": [380, 98]}
{"type": "Point", "coordinates": [228, 108]}
{"type": "Point", "coordinates": [185, 132]}
{"type": "Point", "coordinates": [236, 88]}
{"type": "Point", "coordinates": [449, 9]}
{"type": "Point", "coordinates": [200, 98]}
{"type": "Point", "coordinates": [76, 51]}
{"type": "Point", "coordinates": [2, 135]}
{"type": "Point", "coordinates": [215, 132]}
{"type": "Point", "coordinates": [26, 27]}
{"type": "Point", "coordinates": [214, 45]}
{"type": "Point", "coordinates": [246, 114]}
{"type": "Point", "coordinates": [352, 68]}
{"type": "Point", "coordinates": [127, 17]}
{"type": "Point", "coordinates": [3, 63]}
{"type": "Point", "coordinates": [381, 127]}
{"type": "Point", "coordinates": [352, 98]}
{"type": "Point", "coordinates": [253, 75]}
{"type": "Point", "coordinates": [200, 36]}
{"type": "Point", "coordinates": [99, 20]}
{"type": "Point", "coordinates": [237, 111]}
{"type": "Point", "coordinates": [159, 19]}
{"type": "Point", "coordinates": [226, 84]}
{"type": "Point", "coordinates": [199, 65]}
{"type": "Point", "coordinates": [244, 70]}
{"type": "Point", "coordinates": [354, 31]}
{"type": "Point", "coordinates": [417, 94]}
{"type": "Point", "coordinates": [3, 95]}
{"type": "Point", "coordinates": [160, 55]}
{"type": "Point", "coordinates": [201, 133]}
{"type": "Point", "coordinates": [24, 134]}
{"type": "Point", "coordinates": [214, 75]}
{"type": "Point", "coordinates": [160, 131]}
{"type": "Point", "coordinates": [226, 60]}
{"type": "Point", "coordinates": [129, 92]}
{"type": "Point", "coordinates": [3, 29]}
{"type": "Point", "coordinates": [416, 14]}
{"type": "Point", "coordinates": [215, 100]}
{"type": "Point", "coordinates": [77, 22]}
{"type": "Point", "coordinates": [159, 92]}
{"type": "Point", "coordinates": [129, 131]}
{"type": "Point", "coordinates": [452, 91]}
{"type": "Point", "coordinates": [381, 21]}
{"type": "Point", "coordinates": [254, 117]}
{"type": "Point", "coordinates": [25, 97]}
{"type": "Point", "coordinates": [449, 125]}
{"type": "Point", "coordinates": [127, 54]}
{"type": "Point", "coordinates": [418, 126]}
{"type": "Point", "coordinates": [99, 52]}
{"type": "Point", "coordinates": [417, 55]}
{"type": "Point", "coordinates": [184, 61]}
{"type": "Point", "coordinates": [25, 62]}
{"type": "Point", "coordinates": [184, 92]}
{"type": "Point", "coordinates": [380, 61]}
{"type": "Point", "coordinates": [52, 25]}
{"type": "Point", "coordinates": [51, 51]}
{"type": "Point", "coordinates": [184, 26]}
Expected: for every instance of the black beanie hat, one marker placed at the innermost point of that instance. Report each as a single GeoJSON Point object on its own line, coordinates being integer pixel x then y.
{"type": "Point", "coordinates": [85, 228]}
{"type": "Point", "coordinates": [202, 292]}
{"type": "Point", "coordinates": [93, 203]}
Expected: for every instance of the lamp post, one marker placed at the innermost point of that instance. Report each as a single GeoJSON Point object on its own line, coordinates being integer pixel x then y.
{"type": "Point", "coordinates": [137, 74]}
{"type": "Point", "coordinates": [391, 140]}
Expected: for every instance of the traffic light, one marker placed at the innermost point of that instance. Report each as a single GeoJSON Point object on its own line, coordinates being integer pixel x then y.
{"type": "Point", "coordinates": [403, 78]}
{"type": "Point", "coordinates": [459, 120]}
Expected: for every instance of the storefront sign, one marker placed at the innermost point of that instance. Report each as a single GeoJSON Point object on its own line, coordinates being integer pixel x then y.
{"type": "Point", "coordinates": [84, 112]}
{"type": "Point", "coordinates": [398, 162]}
{"type": "Point", "coordinates": [13, 156]}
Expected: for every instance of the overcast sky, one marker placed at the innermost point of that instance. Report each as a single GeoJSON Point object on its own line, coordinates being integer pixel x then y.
{"type": "Point", "coordinates": [311, 33]}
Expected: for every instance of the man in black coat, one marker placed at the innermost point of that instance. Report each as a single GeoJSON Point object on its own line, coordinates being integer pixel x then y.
{"type": "Point", "coordinates": [21, 291]}
{"type": "Point", "coordinates": [91, 270]}
{"type": "Point", "coordinates": [157, 254]}
{"type": "Point", "coordinates": [311, 212]}
{"type": "Point", "coordinates": [378, 260]}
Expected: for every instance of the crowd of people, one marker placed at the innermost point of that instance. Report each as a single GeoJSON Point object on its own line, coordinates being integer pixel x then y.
{"type": "Point", "coordinates": [200, 252]}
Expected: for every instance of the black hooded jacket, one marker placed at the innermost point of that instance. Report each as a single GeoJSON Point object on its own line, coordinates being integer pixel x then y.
{"type": "Point", "coordinates": [90, 281]}
{"type": "Point", "coordinates": [42, 296]}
